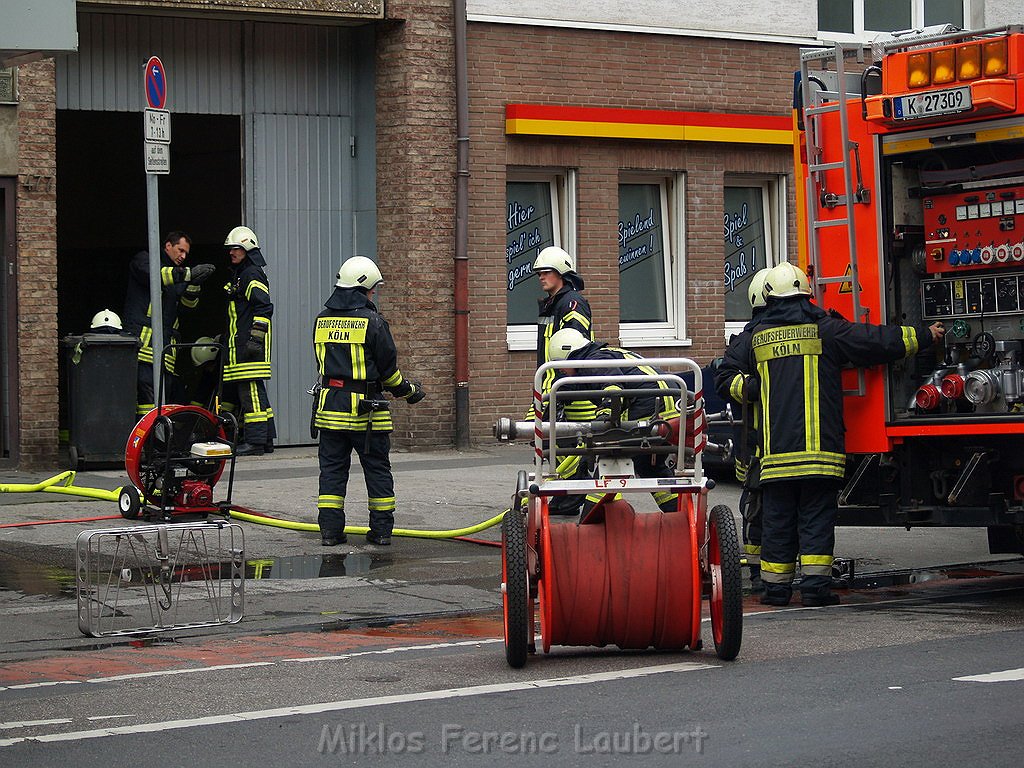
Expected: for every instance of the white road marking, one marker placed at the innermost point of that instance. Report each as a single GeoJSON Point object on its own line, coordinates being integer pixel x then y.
{"type": "Point", "coordinates": [45, 684]}
{"type": "Point", "coordinates": [163, 672]}
{"type": "Point", "coordinates": [30, 723]}
{"type": "Point", "coordinates": [397, 649]}
{"type": "Point", "coordinates": [109, 717]}
{"type": "Point", "coordinates": [994, 677]}
{"type": "Point", "coordinates": [136, 675]}
{"type": "Point", "coordinates": [376, 701]}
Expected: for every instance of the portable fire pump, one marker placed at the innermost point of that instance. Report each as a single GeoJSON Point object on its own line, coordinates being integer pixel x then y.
{"type": "Point", "coordinates": [176, 454]}
{"type": "Point", "coordinates": [911, 200]}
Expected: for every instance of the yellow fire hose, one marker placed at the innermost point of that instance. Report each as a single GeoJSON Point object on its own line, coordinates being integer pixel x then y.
{"type": "Point", "coordinates": [64, 483]}
{"type": "Point", "coordinates": [66, 487]}
{"type": "Point", "coordinates": [356, 529]}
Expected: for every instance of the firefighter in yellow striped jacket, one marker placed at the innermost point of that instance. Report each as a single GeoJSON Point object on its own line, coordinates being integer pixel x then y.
{"type": "Point", "coordinates": [358, 362]}
{"type": "Point", "coordinates": [179, 292]}
{"type": "Point", "coordinates": [562, 308]}
{"type": "Point", "coordinates": [792, 363]}
{"type": "Point", "coordinates": [247, 340]}
{"type": "Point", "coordinates": [747, 454]}
{"type": "Point", "coordinates": [569, 344]}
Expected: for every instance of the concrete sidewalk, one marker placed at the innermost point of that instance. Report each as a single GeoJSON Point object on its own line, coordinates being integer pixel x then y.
{"type": "Point", "coordinates": [301, 584]}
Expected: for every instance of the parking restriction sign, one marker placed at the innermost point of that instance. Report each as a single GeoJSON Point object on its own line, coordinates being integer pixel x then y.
{"type": "Point", "coordinates": [156, 83]}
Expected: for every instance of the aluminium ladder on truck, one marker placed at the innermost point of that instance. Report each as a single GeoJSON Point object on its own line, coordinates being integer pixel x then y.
{"type": "Point", "coordinates": [819, 96]}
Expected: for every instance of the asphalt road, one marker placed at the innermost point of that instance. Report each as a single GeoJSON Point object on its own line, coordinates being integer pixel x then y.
{"type": "Point", "coordinates": [366, 655]}
{"type": "Point", "coordinates": [929, 676]}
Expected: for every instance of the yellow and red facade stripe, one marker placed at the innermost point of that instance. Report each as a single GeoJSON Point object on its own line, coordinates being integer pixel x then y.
{"type": "Point", "coordinates": [615, 123]}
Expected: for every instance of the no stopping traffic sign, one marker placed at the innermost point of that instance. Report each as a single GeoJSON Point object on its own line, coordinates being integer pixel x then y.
{"type": "Point", "coordinates": [156, 83]}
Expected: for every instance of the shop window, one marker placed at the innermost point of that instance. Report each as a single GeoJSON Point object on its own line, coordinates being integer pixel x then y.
{"type": "Point", "coordinates": [862, 20]}
{"type": "Point", "coordinates": [651, 274]}
{"type": "Point", "coordinates": [753, 238]}
{"type": "Point", "coordinates": [540, 211]}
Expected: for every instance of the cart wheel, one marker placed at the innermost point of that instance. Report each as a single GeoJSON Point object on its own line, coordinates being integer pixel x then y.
{"type": "Point", "coordinates": [726, 590]}
{"type": "Point", "coordinates": [129, 503]}
{"type": "Point", "coordinates": [516, 589]}
{"type": "Point", "coordinates": [73, 458]}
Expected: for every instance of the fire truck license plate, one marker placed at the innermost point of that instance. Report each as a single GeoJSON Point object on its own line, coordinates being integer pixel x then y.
{"type": "Point", "coordinates": [933, 103]}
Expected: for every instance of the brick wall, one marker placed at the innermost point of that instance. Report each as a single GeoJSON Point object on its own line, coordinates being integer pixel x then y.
{"type": "Point", "coordinates": [541, 65]}
{"type": "Point", "coordinates": [416, 206]}
{"type": "Point", "coordinates": [37, 265]}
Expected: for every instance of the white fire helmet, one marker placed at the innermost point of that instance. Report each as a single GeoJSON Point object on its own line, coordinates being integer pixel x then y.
{"type": "Point", "coordinates": [105, 320]}
{"type": "Point", "coordinates": [359, 272]}
{"type": "Point", "coordinates": [564, 342]}
{"type": "Point", "coordinates": [756, 291]}
{"type": "Point", "coordinates": [785, 280]}
{"type": "Point", "coordinates": [554, 258]}
{"type": "Point", "coordinates": [241, 237]}
{"type": "Point", "coordinates": [204, 354]}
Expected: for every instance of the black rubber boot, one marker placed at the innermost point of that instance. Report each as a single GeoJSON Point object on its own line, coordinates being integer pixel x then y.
{"type": "Point", "coordinates": [776, 596]}
{"type": "Point", "coordinates": [819, 599]}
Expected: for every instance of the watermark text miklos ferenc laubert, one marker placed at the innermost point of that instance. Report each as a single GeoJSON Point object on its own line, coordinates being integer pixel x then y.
{"type": "Point", "coordinates": [451, 738]}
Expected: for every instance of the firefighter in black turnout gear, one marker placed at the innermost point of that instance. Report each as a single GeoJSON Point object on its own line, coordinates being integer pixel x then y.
{"type": "Point", "coordinates": [747, 458]}
{"type": "Point", "coordinates": [358, 362]}
{"type": "Point", "coordinates": [179, 292]}
{"type": "Point", "coordinates": [562, 308]}
{"type": "Point", "coordinates": [569, 344]}
{"type": "Point", "coordinates": [247, 340]}
{"type": "Point", "coordinates": [791, 362]}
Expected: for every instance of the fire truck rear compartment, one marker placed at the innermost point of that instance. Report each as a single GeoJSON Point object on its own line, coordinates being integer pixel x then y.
{"type": "Point", "coordinates": [948, 481]}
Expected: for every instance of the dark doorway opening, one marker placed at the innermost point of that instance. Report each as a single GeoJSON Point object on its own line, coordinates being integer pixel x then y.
{"type": "Point", "coordinates": [101, 210]}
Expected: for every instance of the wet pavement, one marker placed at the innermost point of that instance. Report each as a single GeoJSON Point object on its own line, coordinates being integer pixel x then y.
{"type": "Point", "coordinates": [291, 581]}
{"type": "Point", "coordinates": [293, 585]}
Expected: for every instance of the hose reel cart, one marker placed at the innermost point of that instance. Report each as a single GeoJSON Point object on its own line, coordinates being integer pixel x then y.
{"type": "Point", "coordinates": [616, 575]}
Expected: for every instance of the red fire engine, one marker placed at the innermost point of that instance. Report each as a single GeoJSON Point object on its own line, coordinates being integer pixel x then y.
{"type": "Point", "coordinates": [911, 207]}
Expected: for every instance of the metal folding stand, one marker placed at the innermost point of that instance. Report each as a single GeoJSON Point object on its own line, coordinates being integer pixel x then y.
{"type": "Point", "coordinates": [156, 578]}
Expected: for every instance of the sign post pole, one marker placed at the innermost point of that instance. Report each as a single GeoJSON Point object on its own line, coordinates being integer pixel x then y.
{"type": "Point", "coordinates": [157, 145]}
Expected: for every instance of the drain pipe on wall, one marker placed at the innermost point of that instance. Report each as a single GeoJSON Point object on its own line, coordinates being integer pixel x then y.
{"type": "Point", "coordinates": [461, 230]}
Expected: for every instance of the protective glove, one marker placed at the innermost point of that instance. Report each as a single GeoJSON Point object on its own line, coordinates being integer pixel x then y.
{"type": "Point", "coordinates": [253, 350]}
{"type": "Point", "coordinates": [254, 346]}
{"type": "Point", "coordinates": [751, 389]}
{"type": "Point", "coordinates": [417, 393]}
{"type": "Point", "coordinates": [197, 274]}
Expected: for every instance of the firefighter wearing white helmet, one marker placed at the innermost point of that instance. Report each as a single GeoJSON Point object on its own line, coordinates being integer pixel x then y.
{"type": "Point", "coordinates": [248, 342]}
{"type": "Point", "coordinates": [105, 321]}
{"type": "Point", "coordinates": [569, 345]}
{"type": "Point", "coordinates": [747, 441]}
{"type": "Point", "coordinates": [563, 307]}
{"type": "Point", "coordinates": [358, 363]}
{"type": "Point", "coordinates": [791, 362]}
